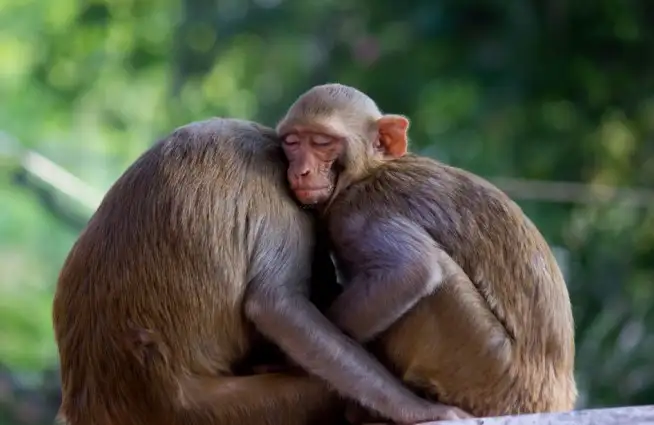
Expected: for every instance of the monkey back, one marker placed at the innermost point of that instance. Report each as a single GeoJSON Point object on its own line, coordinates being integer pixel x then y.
{"type": "Point", "coordinates": [154, 286]}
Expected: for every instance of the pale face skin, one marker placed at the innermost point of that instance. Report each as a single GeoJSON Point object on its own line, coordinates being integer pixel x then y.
{"type": "Point", "coordinates": [311, 159]}
{"type": "Point", "coordinates": [312, 154]}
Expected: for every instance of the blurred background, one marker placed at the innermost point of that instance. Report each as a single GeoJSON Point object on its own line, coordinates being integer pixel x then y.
{"type": "Point", "coordinates": [551, 100]}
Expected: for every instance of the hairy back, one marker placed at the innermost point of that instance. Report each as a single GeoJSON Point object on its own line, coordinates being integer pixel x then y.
{"type": "Point", "coordinates": [480, 228]}
{"type": "Point", "coordinates": [181, 226]}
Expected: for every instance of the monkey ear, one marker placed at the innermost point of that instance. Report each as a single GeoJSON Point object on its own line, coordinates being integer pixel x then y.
{"type": "Point", "coordinates": [393, 135]}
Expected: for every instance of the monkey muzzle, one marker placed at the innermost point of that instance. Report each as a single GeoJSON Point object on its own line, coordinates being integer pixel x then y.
{"type": "Point", "coordinates": [312, 196]}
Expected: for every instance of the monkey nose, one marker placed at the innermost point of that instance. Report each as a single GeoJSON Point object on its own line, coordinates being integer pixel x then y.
{"type": "Point", "coordinates": [302, 172]}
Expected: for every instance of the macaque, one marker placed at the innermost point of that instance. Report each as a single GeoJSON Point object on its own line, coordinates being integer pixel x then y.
{"type": "Point", "coordinates": [196, 254]}
{"type": "Point", "coordinates": [445, 277]}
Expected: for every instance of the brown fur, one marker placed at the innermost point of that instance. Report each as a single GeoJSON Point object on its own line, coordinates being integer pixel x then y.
{"type": "Point", "coordinates": [149, 309]}
{"type": "Point", "coordinates": [455, 287]}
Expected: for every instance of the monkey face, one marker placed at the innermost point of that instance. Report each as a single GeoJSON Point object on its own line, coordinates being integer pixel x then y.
{"type": "Point", "coordinates": [311, 171]}
{"type": "Point", "coordinates": [335, 132]}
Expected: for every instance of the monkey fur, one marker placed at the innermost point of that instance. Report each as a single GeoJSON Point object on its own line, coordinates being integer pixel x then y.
{"type": "Point", "coordinates": [445, 277]}
{"type": "Point", "coordinates": [153, 311]}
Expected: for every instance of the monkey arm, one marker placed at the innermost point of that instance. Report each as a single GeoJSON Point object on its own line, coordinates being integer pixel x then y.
{"type": "Point", "coordinates": [311, 340]}
{"type": "Point", "coordinates": [321, 349]}
{"type": "Point", "coordinates": [394, 264]}
{"type": "Point", "coordinates": [277, 303]}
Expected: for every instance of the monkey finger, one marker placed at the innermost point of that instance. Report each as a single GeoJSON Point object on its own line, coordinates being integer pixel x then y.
{"type": "Point", "coordinates": [441, 412]}
{"type": "Point", "coordinates": [454, 413]}
{"type": "Point", "coordinates": [448, 413]}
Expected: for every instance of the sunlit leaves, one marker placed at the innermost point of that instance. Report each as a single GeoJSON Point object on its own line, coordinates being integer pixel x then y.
{"type": "Point", "coordinates": [16, 59]}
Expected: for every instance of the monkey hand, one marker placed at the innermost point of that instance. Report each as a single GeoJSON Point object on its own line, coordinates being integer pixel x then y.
{"type": "Point", "coordinates": [441, 412]}
{"type": "Point", "coordinates": [357, 415]}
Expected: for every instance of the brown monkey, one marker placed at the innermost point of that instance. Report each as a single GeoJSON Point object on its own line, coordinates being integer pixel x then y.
{"type": "Point", "coordinates": [195, 251]}
{"type": "Point", "coordinates": [444, 274]}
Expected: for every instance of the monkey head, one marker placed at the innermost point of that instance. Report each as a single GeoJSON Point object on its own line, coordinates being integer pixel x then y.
{"type": "Point", "coordinates": [334, 135]}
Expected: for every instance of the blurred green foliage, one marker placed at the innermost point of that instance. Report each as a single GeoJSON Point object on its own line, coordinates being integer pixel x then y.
{"type": "Point", "coordinates": [547, 90]}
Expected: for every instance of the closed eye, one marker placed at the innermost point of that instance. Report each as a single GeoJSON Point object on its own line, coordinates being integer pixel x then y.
{"type": "Point", "coordinates": [320, 140]}
{"type": "Point", "coordinates": [291, 139]}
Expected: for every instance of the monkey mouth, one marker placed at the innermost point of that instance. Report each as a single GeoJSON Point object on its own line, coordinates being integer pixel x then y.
{"type": "Point", "coordinates": [311, 196]}
{"type": "Point", "coordinates": [310, 189]}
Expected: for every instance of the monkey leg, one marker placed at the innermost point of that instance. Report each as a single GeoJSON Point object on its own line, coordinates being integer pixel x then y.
{"type": "Point", "coordinates": [268, 399]}
{"type": "Point", "coordinates": [452, 347]}
{"type": "Point", "coordinates": [273, 398]}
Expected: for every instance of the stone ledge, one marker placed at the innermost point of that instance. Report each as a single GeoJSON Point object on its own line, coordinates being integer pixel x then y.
{"type": "Point", "coordinates": [634, 415]}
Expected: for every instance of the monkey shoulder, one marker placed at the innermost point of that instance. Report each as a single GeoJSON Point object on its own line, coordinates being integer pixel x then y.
{"type": "Point", "coordinates": [398, 188]}
{"type": "Point", "coordinates": [225, 168]}
{"type": "Point", "coordinates": [431, 193]}
{"type": "Point", "coordinates": [460, 210]}
{"type": "Point", "coordinates": [243, 159]}
{"type": "Point", "coordinates": [435, 186]}
{"type": "Point", "coordinates": [236, 142]}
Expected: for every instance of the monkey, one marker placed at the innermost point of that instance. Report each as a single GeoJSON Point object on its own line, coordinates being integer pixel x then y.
{"type": "Point", "coordinates": [266, 357]}
{"type": "Point", "coordinates": [445, 278]}
{"type": "Point", "coordinates": [197, 254]}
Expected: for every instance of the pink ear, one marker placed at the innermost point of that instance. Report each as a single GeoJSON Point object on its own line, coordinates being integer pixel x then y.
{"type": "Point", "coordinates": [393, 134]}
